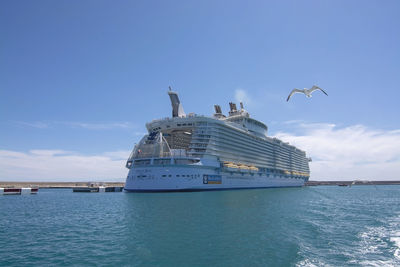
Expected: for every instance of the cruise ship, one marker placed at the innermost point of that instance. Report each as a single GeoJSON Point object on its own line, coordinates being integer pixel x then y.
{"type": "Point", "coordinates": [189, 152]}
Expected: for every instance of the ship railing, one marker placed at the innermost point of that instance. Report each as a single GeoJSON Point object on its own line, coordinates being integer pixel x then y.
{"type": "Point", "coordinates": [175, 154]}
{"type": "Point", "coordinates": [177, 118]}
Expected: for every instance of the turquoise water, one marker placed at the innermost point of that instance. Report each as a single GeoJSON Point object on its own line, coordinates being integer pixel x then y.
{"type": "Point", "coordinates": [310, 226]}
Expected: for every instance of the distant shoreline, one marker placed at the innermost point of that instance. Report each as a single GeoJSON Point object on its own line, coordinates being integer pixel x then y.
{"type": "Point", "coordinates": [356, 182]}
{"type": "Point", "coordinates": [57, 185]}
{"type": "Point", "coordinates": [60, 185]}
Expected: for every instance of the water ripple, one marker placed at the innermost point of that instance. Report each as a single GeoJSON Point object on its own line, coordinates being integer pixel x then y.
{"type": "Point", "coordinates": [313, 226]}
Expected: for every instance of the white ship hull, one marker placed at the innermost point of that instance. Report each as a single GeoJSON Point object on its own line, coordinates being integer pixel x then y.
{"type": "Point", "coordinates": [191, 152]}
{"type": "Point", "coordinates": [198, 179]}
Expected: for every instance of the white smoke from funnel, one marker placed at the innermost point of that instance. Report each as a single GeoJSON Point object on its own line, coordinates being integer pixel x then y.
{"type": "Point", "coordinates": [242, 96]}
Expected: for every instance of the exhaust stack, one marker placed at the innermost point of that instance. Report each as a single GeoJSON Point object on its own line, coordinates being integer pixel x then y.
{"type": "Point", "coordinates": [218, 109]}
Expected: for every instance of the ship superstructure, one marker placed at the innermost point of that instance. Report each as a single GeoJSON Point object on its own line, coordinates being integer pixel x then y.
{"type": "Point", "coordinates": [188, 152]}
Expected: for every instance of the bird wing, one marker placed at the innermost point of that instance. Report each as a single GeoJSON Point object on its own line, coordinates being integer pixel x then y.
{"type": "Point", "coordinates": [314, 88]}
{"type": "Point", "coordinates": [295, 90]}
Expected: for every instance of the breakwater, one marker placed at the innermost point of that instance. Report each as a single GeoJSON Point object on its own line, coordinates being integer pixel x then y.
{"type": "Point", "coordinates": [348, 183]}
{"type": "Point", "coordinates": [56, 185]}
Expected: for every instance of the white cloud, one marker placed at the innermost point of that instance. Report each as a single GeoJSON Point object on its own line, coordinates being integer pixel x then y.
{"type": "Point", "coordinates": [59, 165]}
{"type": "Point", "coordinates": [118, 155]}
{"type": "Point", "coordinates": [348, 153]}
{"type": "Point", "coordinates": [242, 96]}
{"type": "Point", "coordinates": [338, 153]}
{"type": "Point", "coordinates": [43, 152]}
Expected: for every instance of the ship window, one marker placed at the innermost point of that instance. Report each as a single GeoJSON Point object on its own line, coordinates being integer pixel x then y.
{"type": "Point", "coordinates": [178, 124]}
{"type": "Point", "coordinates": [162, 161]}
{"type": "Point", "coordinates": [168, 126]}
{"type": "Point", "coordinates": [183, 175]}
{"type": "Point", "coordinates": [185, 161]}
{"type": "Point", "coordinates": [184, 124]}
{"type": "Point", "coordinates": [142, 162]}
{"type": "Point", "coordinates": [169, 175]}
{"type": "Point", "coordinates": [164, 175]}
{"type": "Point", "coordinates": [177, 175]}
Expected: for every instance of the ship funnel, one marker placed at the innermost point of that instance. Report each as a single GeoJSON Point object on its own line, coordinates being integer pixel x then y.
{"type": "Point", "coordinates": [177, 108]}
{"type": "Point", "coordinates": [218, 112]}
{"type": "Point", "coordinates": [232, 107]}
{"type": "Point", "coordinates": [241, 105]}
{"type": "Point", "coordinates": [217, 109]}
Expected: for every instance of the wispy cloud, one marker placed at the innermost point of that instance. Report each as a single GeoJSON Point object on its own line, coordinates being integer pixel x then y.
{"type": "Point", "coordinates": [76, 124]}
{"type": "Point", "coordinates": [35, 124]}
{"type": "Point", "coordinates": [60, 165]}
{"type": "Point", "coordinates": [353, 152]}
{"type": "Point", "coordinates": [100, 126]}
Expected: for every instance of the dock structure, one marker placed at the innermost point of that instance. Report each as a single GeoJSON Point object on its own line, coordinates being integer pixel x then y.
{"type": "Point", "coordinates": [350, 183]}
{"type": "Point", "coordinates": [54, 185]}
{"type": "Point", "coordinates": [97, 188]}
{"type": "Point", "coordinates": [18, 191]}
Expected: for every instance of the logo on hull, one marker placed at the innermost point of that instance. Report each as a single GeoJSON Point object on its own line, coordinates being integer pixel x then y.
{"type": "Point", "coordinates": [212, 179]}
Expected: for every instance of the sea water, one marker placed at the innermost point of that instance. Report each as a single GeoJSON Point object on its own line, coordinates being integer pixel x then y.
{"type": "Point", "coordinates": [309, 226]}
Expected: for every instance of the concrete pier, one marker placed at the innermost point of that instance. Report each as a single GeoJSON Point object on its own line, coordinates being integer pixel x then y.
{"type": "Point", "coordinates": [18, 191]}
{"type": "Point", "coordinates": [97, 189]}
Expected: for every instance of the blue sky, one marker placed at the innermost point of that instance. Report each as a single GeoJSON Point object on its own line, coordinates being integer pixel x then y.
{"type": "Point", "coordinates": [79, 79]}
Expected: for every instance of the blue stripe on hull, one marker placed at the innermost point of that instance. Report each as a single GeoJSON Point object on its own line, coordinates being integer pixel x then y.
{"type": "Point", "coordinates": [198, 189]}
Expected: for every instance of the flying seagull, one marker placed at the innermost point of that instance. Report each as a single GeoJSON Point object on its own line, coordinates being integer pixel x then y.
{"type": "Point", "coordinates": [305, 91]}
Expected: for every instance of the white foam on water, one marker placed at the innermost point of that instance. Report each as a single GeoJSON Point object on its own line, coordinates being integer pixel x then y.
{"type": "Point", "coordinates": [395, 236]}
{"type": "Point", "coordinates": [311, 263]}
{"type": "Point", "coordinates": [372, 240]}
{"type": "Point", "coordinates": [396, 240]}
{"type": "Point", "coordinates": [376, 242]}
{"type": "Point", "coordinates": [377, 263]}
